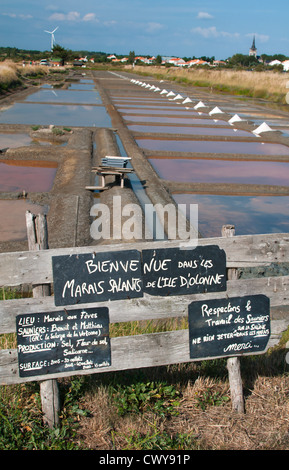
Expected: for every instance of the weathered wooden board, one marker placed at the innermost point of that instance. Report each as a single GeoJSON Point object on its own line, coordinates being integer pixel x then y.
{"type": "Point", "coordinates": [127, 352]}
{"type": "Point", "coordinates": [149, 307]}
{"type": "Point", "coordinates": [241, 251]}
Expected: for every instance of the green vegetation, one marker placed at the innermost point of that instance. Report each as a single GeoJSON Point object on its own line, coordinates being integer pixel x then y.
{"type": "Point", "coordinates": [160, 398]}
{"type": "Point", "coordinates": [21, 426]}
{"type": "Point", "coordinates": [267, 84]}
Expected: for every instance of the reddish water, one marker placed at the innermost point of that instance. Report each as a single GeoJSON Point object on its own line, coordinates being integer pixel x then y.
{"type": "Point", "coordinates": [31, 176]}
{"type": "Point", "coordinates": [219, 147]}
{"type": "Point", "coordinates": [189, 130]}
{"type": "Point", "coordinates": [222, 171]}
{"type": "Point", "coordinates": [13, 221]}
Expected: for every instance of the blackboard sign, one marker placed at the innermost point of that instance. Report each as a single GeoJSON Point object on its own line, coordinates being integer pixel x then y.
{"type": "Point", "coordinates": [175, 271]}
{"type": "Point", "coordinates": [229, 327]}
{"type": "Point", "coordinates": [91, 277]}
{"type": "Point", "coordinates": [63, 341]}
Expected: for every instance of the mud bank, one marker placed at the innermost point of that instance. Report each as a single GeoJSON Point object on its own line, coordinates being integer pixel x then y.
{"type": "Point", "coordinates": [67, 204]}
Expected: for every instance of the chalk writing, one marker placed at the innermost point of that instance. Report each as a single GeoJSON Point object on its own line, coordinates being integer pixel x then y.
{"type": "Point", "coordinates": [225, 327]}
{"type": "Point", "coordinates": [61, 342]}
{"type": "Point", "coordinates": [98, 277]}
{"type": "Point", "coordinates": [128, 274]}
{"type": "Point", "coordinates": [174, 271]}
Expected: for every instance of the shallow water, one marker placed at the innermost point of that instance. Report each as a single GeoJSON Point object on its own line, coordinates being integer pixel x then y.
{"type": "Point", "coordinates": [55, 95]}
{"type": "Point", "coordinates": [59, 115]}
{"type": "Point", "coordinates": [30, 176]}
{"type": "Point", "coordinates": [23, 140]}
{"type": "Point", "coordinates": [174, 120]}
{"type": "Point", "coordinates": [229, 132]}
{"type": "Point", "coordinates": [218, 147]}
{"type": "Point", "coordinates": [249, 214]}
{"type": "Point", "coordinates": [222, 171]}
{"type": "Point", "coordinates": [169, 112]}
{"type": "Point", "coordinates": [13, 220]}
{"type": "Point", "coordinates": [14, 140]}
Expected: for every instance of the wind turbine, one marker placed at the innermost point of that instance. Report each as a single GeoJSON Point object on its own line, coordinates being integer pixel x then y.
{"type": "Point", "coordinates": [52, 36]}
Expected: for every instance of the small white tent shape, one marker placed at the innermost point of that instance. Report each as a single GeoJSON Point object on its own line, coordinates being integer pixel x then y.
{"type": "Point", "coordinates": [187, 100]}
{"type": "Point", "coordinates": [163, 92]}
{"type": "Point", "coordinates": [235, 118]}
{"type": "Point", "coordinates": [178, 97]}
{"type": "Point", "coordinates": [200, 105]}
{"type": "Point", "coordinates": [263, 128]}
{"type": "Point", "coordinates": [216, 110]}
{"type": "Point", "coordinates": [171, 93]}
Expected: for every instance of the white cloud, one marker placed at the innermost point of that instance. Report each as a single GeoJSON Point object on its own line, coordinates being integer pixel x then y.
{"type": "Point", "coordinates": [212, 32]}
{"type": "Point", "coordinates": [90, 17]}
{"type": "Point", "coordinates": [21, 16]}
{"type": "Point", "coordinates": [73, 16]}
{"type": "Point", "coordinates": [154, 27]}
{"type": "Point", "coordinates": [203, 15]}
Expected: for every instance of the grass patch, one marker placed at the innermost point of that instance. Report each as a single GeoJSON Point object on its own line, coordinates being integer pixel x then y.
{"type": "Point", "coordinates": [267, 85]}
{"type": "Point", "coordinates": [21, 426]}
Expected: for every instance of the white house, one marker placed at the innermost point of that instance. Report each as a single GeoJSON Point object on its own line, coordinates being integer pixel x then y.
{"type": "Point", "coordinates": [275, 62]}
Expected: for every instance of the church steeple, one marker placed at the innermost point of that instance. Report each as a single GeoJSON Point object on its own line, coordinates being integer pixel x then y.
{"type": "Point", "coordinates": [253, 50]}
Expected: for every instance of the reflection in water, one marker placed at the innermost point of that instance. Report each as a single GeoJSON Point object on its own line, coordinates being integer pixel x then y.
{"type": "Point", "coordinates": [59, 115]}
{"type": "Point", "coordinates": [175, 120]}
{"type": "Point", "coordinates": [229, 132]}
{"type": "Point", "coordinates": [23, 140]}
{"type": "Point", "coordinates": [14, 140]}
{"type": "Point", "coordinates": [13, 220]}
{"type": "Point", "coordinates": [222, 171]}
{"type": "Point", "coordinates": [64, 96]}
{"type": "Point", "coordinates": [30, 176]}
{"type": "Point", "coordinates": [172, 112]}
{"type": "Point", "coordinates": [202, 146]}
{"type": "Point", "coordinates": [152, 107]}
{"type": "Point", "coordinates": [249, 214]}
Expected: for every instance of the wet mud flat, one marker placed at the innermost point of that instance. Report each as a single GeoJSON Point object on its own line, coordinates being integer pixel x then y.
{"type": "Point", "coordinates": [49, 179]}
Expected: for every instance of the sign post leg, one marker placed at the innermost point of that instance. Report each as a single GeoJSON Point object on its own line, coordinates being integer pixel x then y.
{"type": "Point", "coordinates": [233, 363]}
{"type": "Point", "coordinates": [38, 240]}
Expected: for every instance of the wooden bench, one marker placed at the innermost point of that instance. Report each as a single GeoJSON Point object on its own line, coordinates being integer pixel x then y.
{"type": "Point", "coordinates": [111, 166]}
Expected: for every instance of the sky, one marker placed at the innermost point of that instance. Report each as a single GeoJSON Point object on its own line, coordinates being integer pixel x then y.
{"type": "Point", "coordinates": [182, 28]}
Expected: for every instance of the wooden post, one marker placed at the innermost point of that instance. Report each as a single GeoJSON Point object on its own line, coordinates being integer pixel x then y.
{"type": "Point", "coordinates": [233, 363]}
{"type": "Point", "coordinates": [38, 240]}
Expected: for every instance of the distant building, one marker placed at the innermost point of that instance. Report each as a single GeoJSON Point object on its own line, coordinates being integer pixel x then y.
{"type": "Point", "coordinates": [253, 50]}
{"type": "Point", "coordinates": [176, 61]}
{"type": "Point", "coordinates": [285, 65]}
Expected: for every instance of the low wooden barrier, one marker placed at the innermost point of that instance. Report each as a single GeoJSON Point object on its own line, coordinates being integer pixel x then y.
{"type": "Point", "coordinates": [36, 268]}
